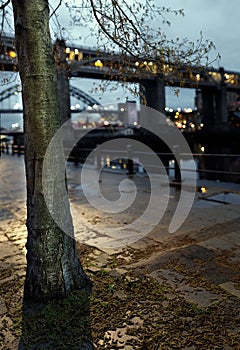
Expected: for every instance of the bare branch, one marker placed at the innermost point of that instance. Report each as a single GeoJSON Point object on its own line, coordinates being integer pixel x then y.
{"type": "Point", "coordinates": [2, 7]}
{"type": "Point", "coordinates": [54, 12]}
{"type": "Point", "coordinates": [118, 43]}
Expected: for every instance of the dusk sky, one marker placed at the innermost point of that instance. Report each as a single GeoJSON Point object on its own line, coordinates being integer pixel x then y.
{"type": "Point", "coordinates": [217, 19]}
{"type": "Point", "coordinates": [219, 22]}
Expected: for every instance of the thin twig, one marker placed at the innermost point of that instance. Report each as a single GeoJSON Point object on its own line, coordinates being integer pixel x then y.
{"type": "Point", "coordinates": [54, 12]}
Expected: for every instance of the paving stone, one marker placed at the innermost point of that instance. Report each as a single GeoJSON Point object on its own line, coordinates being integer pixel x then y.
{"type": "Point", "coordinates": [197, 252]}
{"type": "Point", "coordinates": [3, 238]}
{"type": "Point", "coordinates": [3, 308]}
{"type": "Point", "coordinates": [143, 243]}
{"type": "Point", "coordinates": [199, 257]}
{"type": "Point", "coordinates": [21, 242]}
{"type": "Point", "coordinates": [218, 243]}
{"type": "Point", "coordinates": [233, 237]}
{"type": "Point", "coordinates": [230, 287]}
{"type": "Point", "coordinates": [6, 280]}
{"type": "Point", "coordinates": [234, 257]}
{"type": "Point", "coordinates": [5, 214]}
{"type": "Point", "coordinates": [215, 273]}
{"type": "Point", "coordinates": [118, 272]}
{"type": "Point", "coordinates": [5, 199]}
{"type": "Point", "coordinates": [196, 295]}
{"type": "Point", "coordinates": [170, 277]}
{"type": "Point", "coordinates": [7, 250]}
{"type": "Point", "coordinates": [199, 296]}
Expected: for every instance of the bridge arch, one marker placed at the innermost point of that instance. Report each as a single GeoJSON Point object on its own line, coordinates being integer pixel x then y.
{"type": "Point", "coordinates": [74, 92]}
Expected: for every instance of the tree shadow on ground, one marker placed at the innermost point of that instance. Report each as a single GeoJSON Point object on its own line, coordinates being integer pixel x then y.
{"type": "Point", "coordinates": [59, 324]}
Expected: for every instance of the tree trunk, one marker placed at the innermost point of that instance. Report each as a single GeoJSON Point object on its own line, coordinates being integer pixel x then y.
{"type": "Point", "coordinates": [53, 268]}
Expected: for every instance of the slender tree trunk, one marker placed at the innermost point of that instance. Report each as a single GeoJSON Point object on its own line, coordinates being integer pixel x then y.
{"type": "Point", "coordinates": [53, 268]}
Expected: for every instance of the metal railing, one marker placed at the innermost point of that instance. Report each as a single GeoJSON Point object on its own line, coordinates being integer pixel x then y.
{"type": "Point", "coordinates": [221, 167]}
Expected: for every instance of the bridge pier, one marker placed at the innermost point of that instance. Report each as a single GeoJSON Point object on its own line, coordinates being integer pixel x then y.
{"type": "Point", "coordinates": [215, 111]}
{"type": "Point", "coordinates": [208, 107]}
{"type": "Point", "coordinates": [63, 81]}
{"type": "Point", "coordinates": [153, 94]}
{"type": "Point", "coordinates": [221, 107]}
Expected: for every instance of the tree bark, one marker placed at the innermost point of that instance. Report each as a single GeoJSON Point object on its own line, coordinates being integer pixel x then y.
{"type": "Point", "coordinates": [53, 268]}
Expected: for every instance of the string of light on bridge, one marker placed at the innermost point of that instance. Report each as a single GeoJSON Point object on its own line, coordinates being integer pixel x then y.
{"type": "Point", "coordinates": [103, 61]}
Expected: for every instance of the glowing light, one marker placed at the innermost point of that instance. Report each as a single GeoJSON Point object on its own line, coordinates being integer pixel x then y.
{"type": "Point", "coordinates": [202, 149]}
{"type": "Point", "coordinates": [203, 189]}
{"type": "Point", "coordinates": [188, 110]}
{"type": "Point", "coordinates": [67, 50]}
{"type": "Point", "coordinates": [198, 77]}
{"type": "Point", "coordinates": [179, 125]}
{"type": "Point", "coordinates": [71, 56]}
{"type": "Point", "coordinates": [12, 54]}
{"type": "Point", "coordinates": [76, 51]}
{"type": "Point", "coordinates": [98, 63]}
{"type": "Point", "coordinates": [77, 105]}
{"type": "Point", "coordinates": [137, 64]}
{"type": "Point", "coordinates": [108, 161]}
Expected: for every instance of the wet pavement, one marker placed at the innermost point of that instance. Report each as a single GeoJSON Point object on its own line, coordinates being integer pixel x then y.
{"type": "Point", "coordinates": [206, 245]}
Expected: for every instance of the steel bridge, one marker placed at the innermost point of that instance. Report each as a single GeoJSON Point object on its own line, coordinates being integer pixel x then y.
{"type": "Point", "coordinates": [213, 84]}
{"type": "Point", "coordinates": [92, 63]}
{"type": "Point", "coordinates": [74, 92]}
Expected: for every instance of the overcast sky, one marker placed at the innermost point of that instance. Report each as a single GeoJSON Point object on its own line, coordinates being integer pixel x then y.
{"type": "Point", "coordinates": [219, 22]}
{"type": "Point", "coordinates": [217, 19]}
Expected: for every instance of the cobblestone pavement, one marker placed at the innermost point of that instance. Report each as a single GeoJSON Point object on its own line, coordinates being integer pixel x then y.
{"type": "Point", "coordinates": [207, 244]}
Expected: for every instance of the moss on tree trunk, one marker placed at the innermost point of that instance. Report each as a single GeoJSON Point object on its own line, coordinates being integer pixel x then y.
{"type": "Point", "coordinates": [53, 268]}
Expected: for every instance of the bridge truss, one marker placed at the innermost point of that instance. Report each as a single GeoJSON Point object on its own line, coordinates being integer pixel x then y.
{"type": "Point", "coordinates": [76, 93]}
